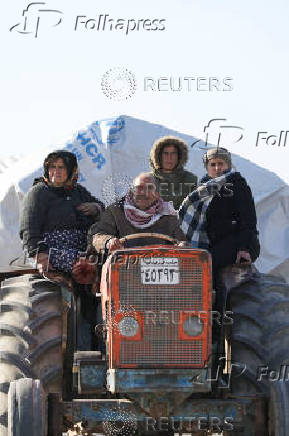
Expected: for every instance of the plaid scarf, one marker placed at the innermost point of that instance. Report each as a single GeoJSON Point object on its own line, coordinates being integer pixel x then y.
{"type": "Point", "coordinates": [192, 213]}
{"type": "Point", "coordinates": [142, 219]}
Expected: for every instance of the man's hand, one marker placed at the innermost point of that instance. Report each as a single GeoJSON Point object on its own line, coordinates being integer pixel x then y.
{"type": "Point", "coordinates": [89, 208]}
{"type": "Point", "coordinates": [183, 244]}
{"type": "Point", "coordinates": [43, 264]}
{"type": "Point", "coordinates": [114, 244]}
{"type": "Point", "coordinates": [243, 257]}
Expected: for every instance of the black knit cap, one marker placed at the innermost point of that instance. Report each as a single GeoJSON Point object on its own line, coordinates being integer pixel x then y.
{"type": "Point", "coordinates": [69, 160]}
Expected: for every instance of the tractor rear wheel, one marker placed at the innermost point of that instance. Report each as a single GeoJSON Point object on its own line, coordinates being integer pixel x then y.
{"type": "Point", "coordinates": [30, 337]}
{"type": "Point", "coordinates": [248, 351]}
{"type": "Point", "coordinates": [260, 340]}
{"type": "Point", "coordinates": [26, 408]}
{"type": "Point", "coordinates": [279, 408]}
{"type": "Point", "coordinates": [276, 312]}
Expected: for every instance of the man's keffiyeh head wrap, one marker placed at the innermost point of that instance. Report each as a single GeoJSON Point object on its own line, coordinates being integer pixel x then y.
{"type": "Point", "coordinates": [142, 219]}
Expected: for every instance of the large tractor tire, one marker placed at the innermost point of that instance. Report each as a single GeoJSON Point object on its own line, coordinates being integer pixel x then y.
{"type": "Point", "coordinates": [279, 408]}
{"type": "Point", "coordinates": [26, 408]}
{"type": "Point", "coordinates": [276, 313]}
{"type": "Point", "coordinates": [30, 337]}
{"type": "Point", "coordinates": [260, 339]}
{"type": "Point", "coordinates": [248, 349]}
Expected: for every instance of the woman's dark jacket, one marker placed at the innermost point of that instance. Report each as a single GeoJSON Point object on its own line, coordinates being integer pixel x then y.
{"type": "Point", "coordinates": [46, 208]}
{"type": "Point", "coordinates": [232, 211]}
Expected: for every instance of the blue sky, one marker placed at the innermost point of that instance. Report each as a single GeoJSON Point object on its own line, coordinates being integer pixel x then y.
{"type": "Point", "coordinates": [51, 85]}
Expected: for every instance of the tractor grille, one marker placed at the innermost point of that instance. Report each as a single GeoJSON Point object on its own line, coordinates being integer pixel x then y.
{"type": "Point", "coordinates": [160, 305]}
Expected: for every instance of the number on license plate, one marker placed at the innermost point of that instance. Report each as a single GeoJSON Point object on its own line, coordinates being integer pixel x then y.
{"type": "Point", "coordinates": [160, 271]}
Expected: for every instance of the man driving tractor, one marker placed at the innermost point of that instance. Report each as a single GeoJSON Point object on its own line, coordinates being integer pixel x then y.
{"type": "Point", "coordinates": [142, 210]}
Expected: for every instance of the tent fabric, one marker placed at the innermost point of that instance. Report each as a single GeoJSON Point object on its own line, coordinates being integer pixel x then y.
{"type": "Point", "coordinates": [111, 152]}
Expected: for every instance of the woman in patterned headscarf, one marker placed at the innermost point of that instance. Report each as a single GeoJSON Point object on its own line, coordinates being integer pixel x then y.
{"type": "Point", "coordinates": [56, 215]}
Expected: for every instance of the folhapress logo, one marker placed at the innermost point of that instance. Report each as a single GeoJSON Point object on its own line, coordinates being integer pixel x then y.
{"type": "Point", "coordinates": [37, 12]}
{"type": "Point", "coordinates": [33, 15]}
{"type": "Point", "coordinates": [220, 134]}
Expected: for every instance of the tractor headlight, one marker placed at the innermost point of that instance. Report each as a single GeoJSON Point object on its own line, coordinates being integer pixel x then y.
{"type": "Point", "coordinates": [128, 326]}
{"type": "Point", "coordinates": [193, 326]}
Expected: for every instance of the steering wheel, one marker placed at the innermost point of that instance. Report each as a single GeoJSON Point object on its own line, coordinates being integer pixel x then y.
{"type": "Point", "coordinates": [173, 241]}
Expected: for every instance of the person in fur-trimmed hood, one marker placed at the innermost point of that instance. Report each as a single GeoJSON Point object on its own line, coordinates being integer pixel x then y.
{"type": "Point", "coordinates": [167, 160]}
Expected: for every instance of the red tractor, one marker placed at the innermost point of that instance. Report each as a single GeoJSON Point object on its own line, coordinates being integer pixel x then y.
{"type": "Point", "coordinates": [152, 353]}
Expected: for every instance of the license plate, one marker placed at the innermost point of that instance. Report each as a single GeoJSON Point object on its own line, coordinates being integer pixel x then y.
{"type": "Point", "coordinates": [160, 271]}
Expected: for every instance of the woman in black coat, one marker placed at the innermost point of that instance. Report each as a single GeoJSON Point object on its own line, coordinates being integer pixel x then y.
{"type": "Point", "coordinates": [220, 214]}
{"type": "Point", "coordinates": [56, 215]}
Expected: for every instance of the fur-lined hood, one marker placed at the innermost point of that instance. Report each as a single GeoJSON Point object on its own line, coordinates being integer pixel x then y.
{"type": "Point", "coordinates": [155, 154]}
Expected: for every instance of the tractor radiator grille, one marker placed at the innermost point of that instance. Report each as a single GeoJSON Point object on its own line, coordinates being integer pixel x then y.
{"type": "Point", "coordinates": [160, 306]}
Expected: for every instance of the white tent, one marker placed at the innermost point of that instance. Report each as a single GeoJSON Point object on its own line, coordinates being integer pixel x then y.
{"type": "Point", "coordinates": [112, 151]}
